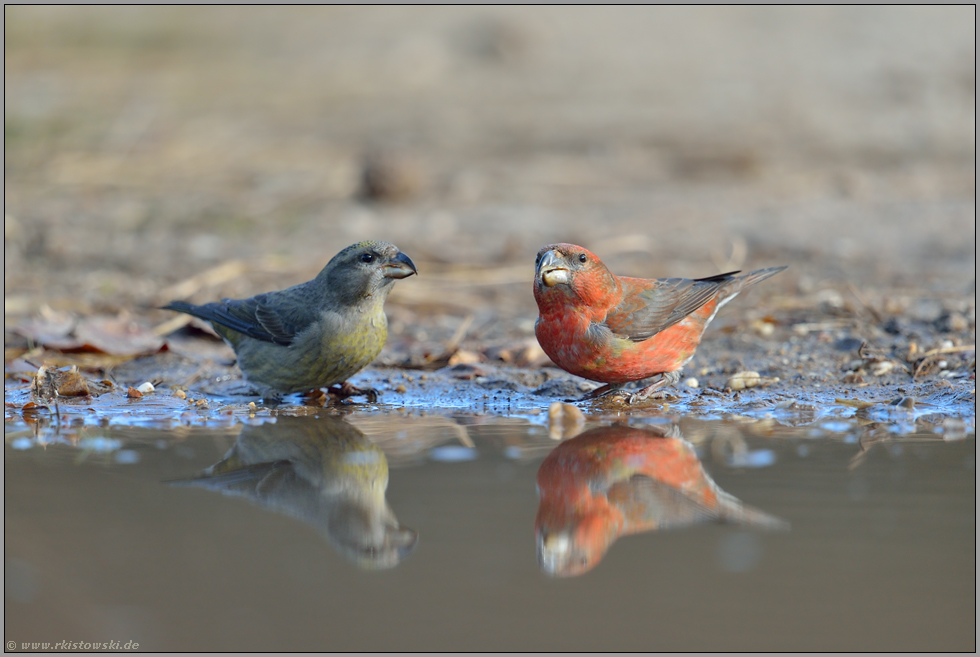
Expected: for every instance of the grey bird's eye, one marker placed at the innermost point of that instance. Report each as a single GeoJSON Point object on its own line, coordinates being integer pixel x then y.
{"type": "Point", "coordinates": [582, 257]}
{"type": "Point", "coordinates": [367, 257]}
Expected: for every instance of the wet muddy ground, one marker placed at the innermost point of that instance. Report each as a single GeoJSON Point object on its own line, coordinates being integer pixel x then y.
{"type": "Point", "coordinates": [153, 155]}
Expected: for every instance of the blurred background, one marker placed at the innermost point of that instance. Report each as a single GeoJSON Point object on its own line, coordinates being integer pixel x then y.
{"type": "Point", "coordinates": [147, 146]}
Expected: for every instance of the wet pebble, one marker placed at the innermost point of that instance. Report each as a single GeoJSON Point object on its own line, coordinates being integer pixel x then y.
{"type": "Point", "coordinates": [749, 379]}
{"type": "Point", "coordinates": [564, 421]}
{"type": "Point", "coordinates": [882, 367]}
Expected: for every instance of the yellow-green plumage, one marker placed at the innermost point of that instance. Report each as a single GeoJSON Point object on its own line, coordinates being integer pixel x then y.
{"type": "Point", "coordinates": [317, 333]}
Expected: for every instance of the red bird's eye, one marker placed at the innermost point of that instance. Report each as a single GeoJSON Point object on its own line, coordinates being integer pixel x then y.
{"type": "Point", "coordinates": [582, 257]}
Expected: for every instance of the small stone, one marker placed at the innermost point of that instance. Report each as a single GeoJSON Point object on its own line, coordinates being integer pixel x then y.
{"type": "Point", "coordinates": [462, 357]}
{"type": "Point", "coordinates": [133, 393]}
{"type": "Point", "coordinates": [564, 421]}
{"type": "Point", "coordinates": [691, 382]}
{"type": "Point", "coordinates": [146, 388]}
{"type": "Point", "coordinates": [401, 389]}
{"type": "Point", "coordinates": [180, 394]}
{"type": "Point", "coordinates": [882, 367]}
{"type": "Point", "coordinates": [749, 379]}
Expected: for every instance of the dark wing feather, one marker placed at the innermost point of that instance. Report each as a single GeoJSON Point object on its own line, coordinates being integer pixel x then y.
{"type": "Point", "coordinates": [273, 317]}
{"type": "Point", "coordinates": [656, 505]}
{"type": "Point", "coordinates": [643, 314]}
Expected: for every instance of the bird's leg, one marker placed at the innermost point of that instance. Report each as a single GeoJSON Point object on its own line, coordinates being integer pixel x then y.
{"type": "Point", "coordinates": [245, 389]}
{"type": "Point", "coordinates": [601, 391]}
{"type": "Point", "coordinates": [348, 389]}
{"type": "Point", "coordinates": [651, 391]}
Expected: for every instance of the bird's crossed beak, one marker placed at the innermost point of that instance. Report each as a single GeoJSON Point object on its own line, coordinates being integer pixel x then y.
{"type": "Point", "coordinates": [551, 269]}
{"type": "Point", "coordinates": [401, 266]}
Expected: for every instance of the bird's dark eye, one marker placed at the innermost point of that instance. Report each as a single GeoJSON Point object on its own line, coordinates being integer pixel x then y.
{"type": "Point", "coordinates": [582, 257]}
{"type": "Point", "coordinates": [367, 257]}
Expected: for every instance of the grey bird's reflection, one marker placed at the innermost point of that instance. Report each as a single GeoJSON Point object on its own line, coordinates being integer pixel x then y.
{"type": "Point", "coordinates": [324, 472]}
{"type": "Point", "coordinates": [617, 480]}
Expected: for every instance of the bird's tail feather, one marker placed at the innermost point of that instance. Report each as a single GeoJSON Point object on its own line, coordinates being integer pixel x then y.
{"type": "Point", "coordinates": [759, 275]}
{"type": "Point", "coordinates": [188, 308]}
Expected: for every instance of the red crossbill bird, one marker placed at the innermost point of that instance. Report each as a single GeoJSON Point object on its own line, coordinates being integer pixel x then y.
{"type": "Point", "coordinates": [616, 329]}
{"type": "Point", "coordinates": [317, 333]}
{"type": "Point", "coordinates": [324, 472]}
{"type": "Point", "coordinates": [618, 480]}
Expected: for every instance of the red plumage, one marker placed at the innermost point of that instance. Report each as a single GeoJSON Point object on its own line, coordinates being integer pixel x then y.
{"type": "Point", "coordinates": [617, 480]}
{"type": "Point", "coordinates": [616, 329]}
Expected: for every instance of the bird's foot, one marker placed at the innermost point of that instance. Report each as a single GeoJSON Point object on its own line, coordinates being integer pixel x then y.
{"type": "Point", "coordinates": [348, 389]}
{"type": "Point", "coordinates": [653, 391]}
{"type": "Point", "coordinates": [601, 391]}
{"type": "Point", "coordinates": [246, 389]}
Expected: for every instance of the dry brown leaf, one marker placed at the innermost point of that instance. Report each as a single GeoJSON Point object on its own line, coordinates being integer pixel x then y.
{"type": "Point", "coordinates": [51, 329]}
{"type": "Point", "coordinates": [118, 336]}
{"type": "Point", "coordinates": [73, 384]}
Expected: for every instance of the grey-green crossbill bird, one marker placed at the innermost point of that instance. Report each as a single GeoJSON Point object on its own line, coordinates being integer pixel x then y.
{"type": "Point", "coordinates": [317, 333]}
{"type": "Point", "coordinates": [322, 471]}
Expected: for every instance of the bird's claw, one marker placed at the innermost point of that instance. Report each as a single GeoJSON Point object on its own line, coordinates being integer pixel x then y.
{"type": "Point", "coordinates": [348, 389]}
{"type": "Point", "coordinates": [601, 391]}
{"type": "Point", "coordinates": [614, 392]}
{"type": "Point", "coordinates": [638, 397]}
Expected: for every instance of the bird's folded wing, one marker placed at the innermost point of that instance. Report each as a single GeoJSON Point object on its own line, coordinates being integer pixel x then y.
{"type": "Point", "coordinates": [645, 311]}
{"type": "Point", "coordinates": [649, 504]}
{"type": "Point", "coordinates": [263, 317]}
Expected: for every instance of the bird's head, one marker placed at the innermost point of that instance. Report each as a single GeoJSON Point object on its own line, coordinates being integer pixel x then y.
{"type": "Point", "coordinates": [574, 549]}
{"type": "Point", "coordinates": [366, 270]}
{"type": "Point", "coordinates": [566, 273]}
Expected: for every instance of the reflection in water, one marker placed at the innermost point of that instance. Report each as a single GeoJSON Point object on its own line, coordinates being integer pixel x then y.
{"type": "Point", "coordinates": [617, 480]}
{"type": "Point", "coordinates": [324, 472]}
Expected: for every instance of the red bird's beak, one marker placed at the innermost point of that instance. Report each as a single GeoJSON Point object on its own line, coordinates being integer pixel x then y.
{"type": "Point", "coordinates": [552, 270]}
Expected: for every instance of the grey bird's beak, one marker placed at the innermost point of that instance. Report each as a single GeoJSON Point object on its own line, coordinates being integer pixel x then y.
{"type": "Point", "coordinates": [551, 269]}
{"type": "Point", "coordinates": [401, 266]}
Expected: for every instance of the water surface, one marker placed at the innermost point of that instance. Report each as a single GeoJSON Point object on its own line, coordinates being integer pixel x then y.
{"type": "Point", "coordinates": [400, 530]}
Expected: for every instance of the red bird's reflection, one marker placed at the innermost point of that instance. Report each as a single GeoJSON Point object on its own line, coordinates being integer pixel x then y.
{"type": "Point", "coordinates": [618, 480]}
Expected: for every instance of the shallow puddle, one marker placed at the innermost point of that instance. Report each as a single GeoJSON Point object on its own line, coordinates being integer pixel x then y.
{"type": "Point", "coordinates": [393, 528]}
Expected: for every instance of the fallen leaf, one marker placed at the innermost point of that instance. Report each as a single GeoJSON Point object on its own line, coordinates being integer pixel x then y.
{"type": "Point", "coordinates": [118, 336]}
{"type": "Point", "coordinates": [51, 382]}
